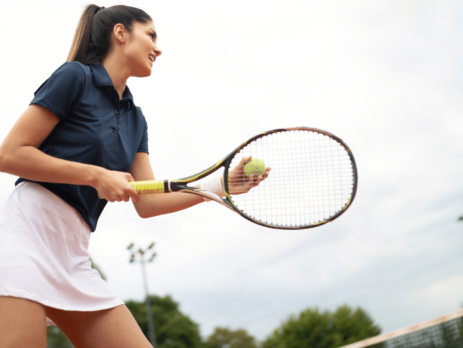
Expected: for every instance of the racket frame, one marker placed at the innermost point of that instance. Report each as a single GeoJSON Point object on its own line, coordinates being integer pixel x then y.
{"type": "Point", "coordinates": [180, 185]}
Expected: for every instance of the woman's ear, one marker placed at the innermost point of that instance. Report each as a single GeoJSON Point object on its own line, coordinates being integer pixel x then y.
{"type": "Point", "coordinates": [120, 33]}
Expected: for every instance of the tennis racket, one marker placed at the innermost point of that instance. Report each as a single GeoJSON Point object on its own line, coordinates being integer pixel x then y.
{"type": "Point", "coordinates": [313, 179]}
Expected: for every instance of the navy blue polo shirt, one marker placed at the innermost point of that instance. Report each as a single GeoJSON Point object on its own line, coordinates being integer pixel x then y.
{"type": "Point", "coordinates": [95, 127]}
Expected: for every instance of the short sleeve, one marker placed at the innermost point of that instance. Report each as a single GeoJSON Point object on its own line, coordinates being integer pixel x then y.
{"type": "Point", "coordinates": [61, 91]}
{"type": "Point", "coordinates": [143, 147]}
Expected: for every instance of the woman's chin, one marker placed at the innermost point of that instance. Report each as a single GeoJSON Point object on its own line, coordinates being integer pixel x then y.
{"type": "Point", "coordinates": [143, 71]}
{"type": "Point", "coordinates": [148, 73]}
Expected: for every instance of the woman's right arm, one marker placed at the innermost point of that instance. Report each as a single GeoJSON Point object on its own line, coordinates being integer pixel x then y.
{"type": "Point", "coordinates": [19, 156]}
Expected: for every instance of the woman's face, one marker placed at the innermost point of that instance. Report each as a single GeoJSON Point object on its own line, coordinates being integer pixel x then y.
{"type": "Point", "coordinates": [141, 49]}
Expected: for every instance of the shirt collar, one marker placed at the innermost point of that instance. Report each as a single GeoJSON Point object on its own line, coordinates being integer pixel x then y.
{"type": "Point", "coordinates": [102, 78]}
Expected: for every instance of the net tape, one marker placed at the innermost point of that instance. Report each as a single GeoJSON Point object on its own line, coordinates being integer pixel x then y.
{"type": "Point", "coordinates": [442, 332]}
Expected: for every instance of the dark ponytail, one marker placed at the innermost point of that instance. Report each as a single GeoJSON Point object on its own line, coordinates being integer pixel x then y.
{"type": "Point", "coordinates": [92, 38]}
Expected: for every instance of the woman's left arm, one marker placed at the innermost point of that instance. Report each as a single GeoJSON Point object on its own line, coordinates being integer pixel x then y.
{"type": "Point", "coordinates": [160, 204]}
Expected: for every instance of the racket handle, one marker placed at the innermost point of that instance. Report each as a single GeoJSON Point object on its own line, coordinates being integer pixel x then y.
{"type": "Point", "coordinates": [147, 187]}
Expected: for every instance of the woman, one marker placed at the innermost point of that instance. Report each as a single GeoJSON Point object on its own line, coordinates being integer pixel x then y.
{"type": "Point", "coordinates": [81, 135]}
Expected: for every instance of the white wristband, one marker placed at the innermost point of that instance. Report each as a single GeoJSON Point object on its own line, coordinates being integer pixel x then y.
{"type": "Point", "coordinates": [213, 185]}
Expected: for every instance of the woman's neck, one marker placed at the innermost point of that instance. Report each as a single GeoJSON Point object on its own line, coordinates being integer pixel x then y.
{"type": "Point", "coordinates": [118, 73]}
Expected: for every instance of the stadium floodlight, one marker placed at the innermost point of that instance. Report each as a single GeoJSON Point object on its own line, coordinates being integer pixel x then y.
{"type": "Point", "coordinates": [149, 314]}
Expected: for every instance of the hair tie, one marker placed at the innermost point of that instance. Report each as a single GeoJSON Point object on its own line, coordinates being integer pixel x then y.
{"type": "Point", "coordinates": [101, 8]}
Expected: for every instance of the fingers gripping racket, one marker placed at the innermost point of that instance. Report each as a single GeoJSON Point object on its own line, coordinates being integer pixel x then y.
{"type": "Point", "coordinates": [313, 179]}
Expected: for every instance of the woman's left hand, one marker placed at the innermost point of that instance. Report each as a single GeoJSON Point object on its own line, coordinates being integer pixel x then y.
{"type": "Point", "coordinates": [239, 183]}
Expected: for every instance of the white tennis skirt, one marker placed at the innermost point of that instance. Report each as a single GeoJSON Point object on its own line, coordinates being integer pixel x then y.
{"type": "Point", "coordinates": [44, 253]}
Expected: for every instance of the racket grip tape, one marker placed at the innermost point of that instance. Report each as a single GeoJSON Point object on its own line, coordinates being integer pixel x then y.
{"type": "Point", "coordinates": [149, 187]}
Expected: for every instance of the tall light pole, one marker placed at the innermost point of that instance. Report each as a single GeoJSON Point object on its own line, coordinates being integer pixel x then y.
{"type": "Point", "coordinates": [149, 314]}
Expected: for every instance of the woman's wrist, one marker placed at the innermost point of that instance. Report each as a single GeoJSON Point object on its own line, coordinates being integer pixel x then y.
{"type": "Point", "coordinates": [214, 185]}
{"type": "Point", "coordinates": [93, 175]}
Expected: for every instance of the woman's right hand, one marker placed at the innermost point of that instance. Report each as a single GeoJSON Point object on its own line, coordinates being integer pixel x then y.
{"type": "Point", "coordinates": [114, 186]}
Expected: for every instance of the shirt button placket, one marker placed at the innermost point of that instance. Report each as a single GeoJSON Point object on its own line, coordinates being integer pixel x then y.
{"type": "Point", "coordinates": [117, 120]}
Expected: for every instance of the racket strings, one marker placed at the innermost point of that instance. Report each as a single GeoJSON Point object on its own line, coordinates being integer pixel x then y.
{"type": "Point", "coordinates": [311, 180]}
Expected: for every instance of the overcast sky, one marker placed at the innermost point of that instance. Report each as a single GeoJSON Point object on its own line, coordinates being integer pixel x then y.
{"type": "Point", "coordinates": [385, 76]}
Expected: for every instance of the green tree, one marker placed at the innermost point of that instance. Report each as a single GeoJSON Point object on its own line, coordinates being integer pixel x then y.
{"type": "Point", "coordinates": [57, 339]}
{"type": "Point", "coordinates": [313, 328]}
{"type": "Point", "coordinates": [224, 337]}
{"type": "Point", "coordinates": [173, 328]}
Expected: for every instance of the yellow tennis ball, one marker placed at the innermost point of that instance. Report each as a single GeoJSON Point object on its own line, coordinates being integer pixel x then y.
{"type": "Point", "coordinates": [254, 167]}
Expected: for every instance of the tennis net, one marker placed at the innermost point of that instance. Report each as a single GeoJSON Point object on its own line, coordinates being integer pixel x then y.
{"type": "Point", "coordinates": [443, 332]}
